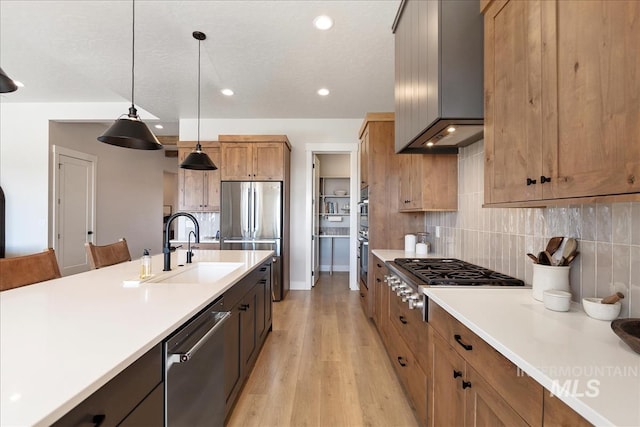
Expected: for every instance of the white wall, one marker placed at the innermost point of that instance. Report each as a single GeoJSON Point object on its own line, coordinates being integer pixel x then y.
{"type": "Point", "coordinates": [299, 132]}
{"type": "Point", "coordinates": [130, 186]}
{"type": "Point", "coordinates": [24, 165]}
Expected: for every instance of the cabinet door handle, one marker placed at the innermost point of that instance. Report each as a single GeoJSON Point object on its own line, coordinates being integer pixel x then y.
{"type": "Point", "coordinates": [97, 420]}
{"type": "Point", "coordinates": [378, 279]}
{"type": "Point", "coordinates": [458, 339]}
{"type": "Point", "coordinates": [544, 179]}
{"type": "Point", "coordinates": [466, 384]}
{"type": "Point", "coordinates": [361, 295]}
{"type": "Point", "coordinates": [402, 361]}
{"type": "Point", "coordinates": [456, 374]}
{"type": "Point", "coordinates": [379, 266]}
{"type": "Point", "coordinates": [243, 307]}
{"type": "Point", "coordinates": [402, 320]}
{"type": "Point", "coordinates": [531, 181]}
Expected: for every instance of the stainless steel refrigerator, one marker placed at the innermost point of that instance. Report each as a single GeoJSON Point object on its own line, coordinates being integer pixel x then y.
{"type": "Point", "coordinates": [251, 218]}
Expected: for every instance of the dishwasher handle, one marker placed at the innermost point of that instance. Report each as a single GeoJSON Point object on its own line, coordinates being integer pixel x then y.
{"type": "Point", "coordinates": [185, 356]}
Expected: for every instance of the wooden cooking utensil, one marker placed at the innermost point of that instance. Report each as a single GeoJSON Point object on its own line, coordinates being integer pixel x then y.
{"type": "Point", "coordinates": [612, 299]}
{"type": "Point", "coordinates": [570, 259]}
{"type": "Point", "coordinates": [533, 258]}
{"type": "Point", "coordinates": [553, 244]}
{"type": "Point", "coordinates": [543, 258]}
{"type": "Point", "coordinates": [570, 247]}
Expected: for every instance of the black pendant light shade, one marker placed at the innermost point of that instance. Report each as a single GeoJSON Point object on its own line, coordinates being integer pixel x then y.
{"type": "Point", "coordinates": [130, 131]}
{"type": "Point", "coordinates": [198, 160]}
{"type": "Point", "coordinates": [6, 83]}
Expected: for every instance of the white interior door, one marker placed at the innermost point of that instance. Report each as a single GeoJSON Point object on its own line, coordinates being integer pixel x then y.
{"type": "Point", "coordinates": [315, 244]}
{"type": "Point", "coordinates": [74, 200]}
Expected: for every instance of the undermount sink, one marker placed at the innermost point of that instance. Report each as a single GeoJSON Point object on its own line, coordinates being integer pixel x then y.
{"type": "Point", "coordinates": [201, 272]}
{"type": "Point", "coordinates": [629, 331]}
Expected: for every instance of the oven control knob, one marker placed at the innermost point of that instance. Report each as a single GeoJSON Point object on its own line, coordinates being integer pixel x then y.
{"type": "Point", "coordinates": [416, 302]}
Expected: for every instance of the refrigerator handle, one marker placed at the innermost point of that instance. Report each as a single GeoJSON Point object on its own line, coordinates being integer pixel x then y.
{"type": "Point", "coordinates": [254, 210]}
{"type": "Point", "coordinates": [249, 210]}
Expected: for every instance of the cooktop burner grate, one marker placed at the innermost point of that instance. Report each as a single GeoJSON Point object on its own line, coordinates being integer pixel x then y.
{"type": "Point", "coordinates": [454, 272]}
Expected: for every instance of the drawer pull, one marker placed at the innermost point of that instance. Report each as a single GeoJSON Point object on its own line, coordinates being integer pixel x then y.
{"type": "Point", "coordinates": [361, 295]}
{"type": "Point", "coordinates": [379, 266]}
{"type": "Point", "coordinates": [402, 320]}
{"type": "Point", "coordinates": [466, 384]}
{"type": "Point", "coordinates": [378, 280]}
{"type": "Point", "coordinates": [456, 374]}
{"type": "Point", "coordinates": [458, 339]}
{"type": "Point", "coordinates": [401, 361]}
{"type": "Point", "coordinates": [97, 420]}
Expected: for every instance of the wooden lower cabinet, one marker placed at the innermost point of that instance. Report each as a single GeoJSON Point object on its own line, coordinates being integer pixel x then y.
{"type": "Point", "coordinates": [364, 297]}
{"type": "Point", "coordinates": [446, 397]}
{"type": "Point", "coordinates": [412, 376]}
{"type": "Point", "coordinates": [558, 414]}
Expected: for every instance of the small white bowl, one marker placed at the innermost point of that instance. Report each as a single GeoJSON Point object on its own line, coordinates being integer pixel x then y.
{"type": "Point", "coordinates": [556, 300]}
{"type": "Point", "coordinates": [340, 192]}
{"type": "Point", "coordinates": [594, 308]}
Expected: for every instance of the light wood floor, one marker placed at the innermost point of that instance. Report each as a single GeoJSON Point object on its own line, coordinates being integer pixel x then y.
{"type": "Point", "coordinates": [323, 365]}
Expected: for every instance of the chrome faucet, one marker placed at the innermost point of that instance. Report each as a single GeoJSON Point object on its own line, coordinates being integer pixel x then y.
{"type": "Point", "coordinates": [167, 246]}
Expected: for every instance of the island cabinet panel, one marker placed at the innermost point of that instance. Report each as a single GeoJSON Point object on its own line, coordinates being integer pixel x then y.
{"type": "Point", "coordinates": [147, 413]}
{"type": "Point", "coordinates": [136, 386]}
{"type": "Point", "coordinates": [246, 329]}
{"type": "Point", "coordinates": [199, 191]}
{"type": "Point", "coordinates": [504, 381]}
{"type": "Point", "coordinates": [561, 101]}
{"type": "Point", "coordinates": [558, 414]}
{"type": "Point", "coordinates": [381, 295]}
{"type": "Point", "coordinates": [254, 157]}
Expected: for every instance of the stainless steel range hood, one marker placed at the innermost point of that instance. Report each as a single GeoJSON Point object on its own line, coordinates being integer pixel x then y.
{"type": "Point", "coordinates": [439, 75]}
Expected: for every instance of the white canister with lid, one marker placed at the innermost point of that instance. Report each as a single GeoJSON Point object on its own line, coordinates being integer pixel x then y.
{"type": "Point", "coordinates": [410, 243]}
{"type": "Point", "coordinates": [547, 277]}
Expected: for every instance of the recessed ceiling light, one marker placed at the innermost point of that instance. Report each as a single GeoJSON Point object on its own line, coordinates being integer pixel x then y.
{"type": "Point", "coordinates": [227, 92]}
{"type": "Point", "coordinates": [323, 22]}
{"type": "Point", "coordinates": [323, 92]}
{"type": "Point", "coordinates": [159, 127]}
{"type": "Point", "coordinates": [451, 129]}
{"type": "Point", "coordinates": [429, 144]}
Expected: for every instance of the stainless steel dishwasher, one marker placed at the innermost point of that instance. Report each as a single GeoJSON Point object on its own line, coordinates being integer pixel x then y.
{"type": "Point", "coordinates": [194, 370]}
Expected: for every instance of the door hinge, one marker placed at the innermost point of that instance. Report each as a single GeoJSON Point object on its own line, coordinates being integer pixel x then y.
{"type": "Point", "coordinates": [58, 200]}
{"type": "Point", "coordinates": [58, 235]}
{"type": "Point", "coordinates": [59, 165]}
{"type": "Point", "coordinates": [312, 272]}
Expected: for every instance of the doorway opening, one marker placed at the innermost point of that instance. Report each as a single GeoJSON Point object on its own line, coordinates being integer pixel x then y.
{"type": "Point", "coordinates": [332, 191]}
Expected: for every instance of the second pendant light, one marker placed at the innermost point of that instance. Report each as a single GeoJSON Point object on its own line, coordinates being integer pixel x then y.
{"type": "Point", "coordinates": [198, 159]}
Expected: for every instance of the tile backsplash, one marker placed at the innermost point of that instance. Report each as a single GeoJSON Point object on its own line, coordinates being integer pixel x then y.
{"type": "Point", "coordinates": [498, 238]}
{"type": "Point", "coordinates": [209, 223]}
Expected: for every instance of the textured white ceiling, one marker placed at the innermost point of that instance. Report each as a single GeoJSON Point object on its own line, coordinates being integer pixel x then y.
{"type": "Point", "coordinates": [268, 52]}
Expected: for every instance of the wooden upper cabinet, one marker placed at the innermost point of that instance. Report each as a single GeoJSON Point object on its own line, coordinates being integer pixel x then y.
{"type": "Point", "coordinates": [199, 191]}
{"type": "Point", "coordinates": [428, 182]}
{"type": "Point", "coordinates": [247, 158]}
{"type": "Point", "coordinates": [513, 120]}
{"type": "Point", "coordinates": [594, 94]}
{"type": "Point", "coordinates": [364, 158]}
{"type": "Point", "coordinates": [561, 100]}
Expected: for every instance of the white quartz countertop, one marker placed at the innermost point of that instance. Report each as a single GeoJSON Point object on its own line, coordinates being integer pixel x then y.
{"type": "Point", "coordinates": [63, 339]}
{"type": "Point", "coordinates": [601, 373]}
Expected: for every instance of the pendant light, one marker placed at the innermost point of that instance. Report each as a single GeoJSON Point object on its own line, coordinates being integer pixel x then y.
{"type": "Point", "coordinates": [198, 159]}
{"type": "Point", "coordinates": [6, 83]}
{"type": "Point", "coordinates": [129, 131]}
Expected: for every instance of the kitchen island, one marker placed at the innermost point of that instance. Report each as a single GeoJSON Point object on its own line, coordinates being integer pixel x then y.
{"type": "Point", "coordinates": [63, 339]}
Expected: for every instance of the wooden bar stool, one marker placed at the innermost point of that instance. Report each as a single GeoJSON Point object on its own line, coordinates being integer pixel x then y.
{"type": "Point", "coordinates": [28, 269]}
{"type": "Point", "coordinates": [103, 256]}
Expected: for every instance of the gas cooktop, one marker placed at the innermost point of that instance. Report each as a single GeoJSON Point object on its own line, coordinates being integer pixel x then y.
{"type": "Point", "coordinates": [453, 272]}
